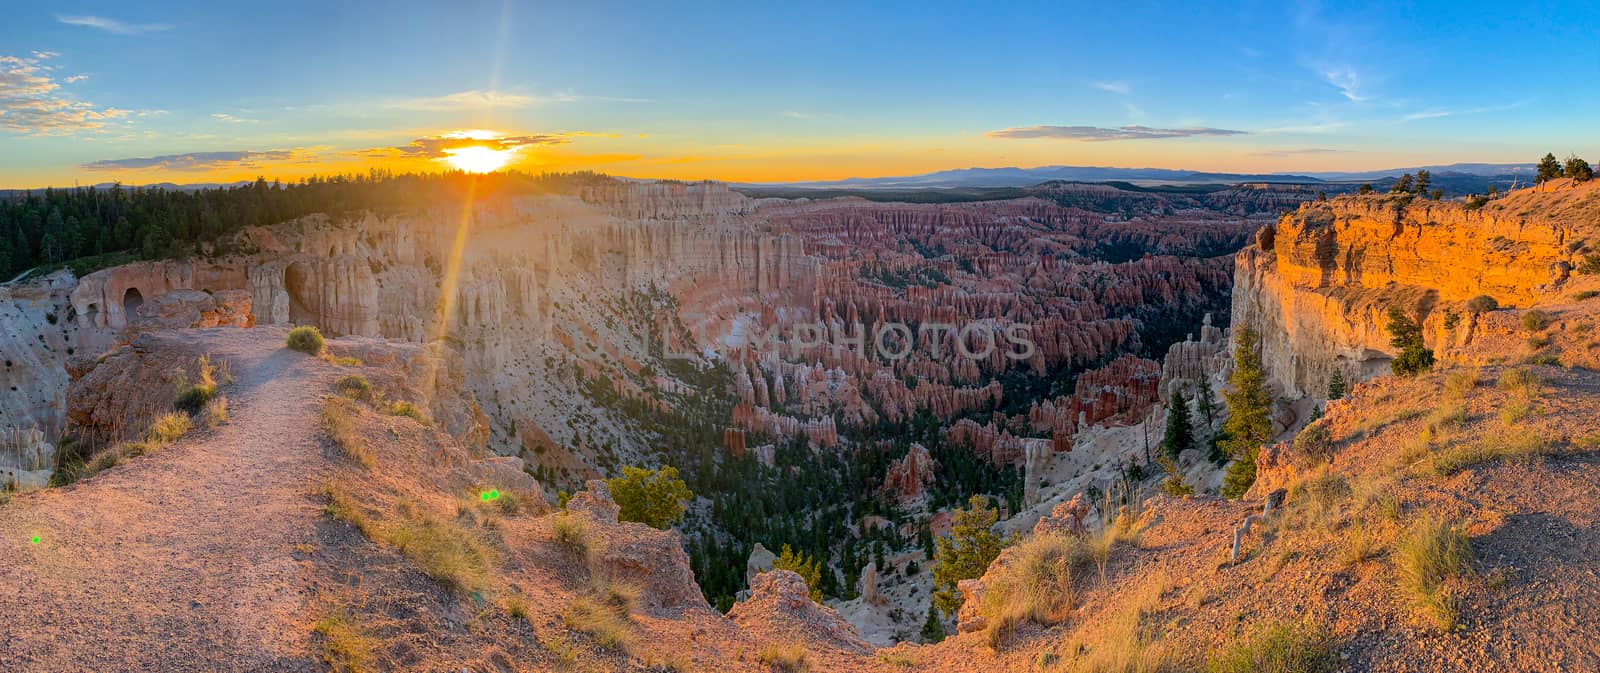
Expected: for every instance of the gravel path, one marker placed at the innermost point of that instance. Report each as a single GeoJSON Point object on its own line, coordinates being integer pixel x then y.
{"type": "Point", "coordinates": [179, 560]}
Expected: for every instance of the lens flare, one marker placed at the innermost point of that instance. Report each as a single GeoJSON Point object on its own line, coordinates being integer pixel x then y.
{"type": "Point", "coordinates": [478, 159]}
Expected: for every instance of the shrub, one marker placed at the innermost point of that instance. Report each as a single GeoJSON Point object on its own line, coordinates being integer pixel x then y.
{"type": "Point", "coordinates": [306, 339]}
{"type": "Point", "coordinates": [407, 409]}
{"type": "Point", "coordinates": [1482, 304]}
{"type": "Point", "coordinates": [1535, 320]}
{"type": "Point", "coordinates": [192, 399]}
{"type": "Point", "coordinates": [1314, 443]}
{"type": "Point", "coordinates": [1296, 647]}
{"type": "Point", "coordinates": [169, 427]}
{"type": "Point", "coordinates": [1590, 264]}
{"type": "Point", "coordinates": [809, 569]}
{"type": "Point", "coordinates": [785, 658]}
{"type": "Point", "coordinates": [1430, 554]}
{"type": "Point", "coordinates": [345, 644]}
{"type": "Point", "coordinates": [1586, 294]}
{"type": "Point", "coordinates": [655, 498]}
{"type": "Point", "coordinates": [354, 387]}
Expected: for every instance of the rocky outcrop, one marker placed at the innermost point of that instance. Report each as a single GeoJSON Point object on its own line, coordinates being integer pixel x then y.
{"type": "Point", "coordinates": [781, 608]}
{"type": "Point", "coordinates": [909, 477]}
{"type": "Point", "coordinates": [1317, 285]}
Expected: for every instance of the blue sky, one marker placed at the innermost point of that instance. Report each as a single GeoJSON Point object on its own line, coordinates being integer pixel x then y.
{"type": "Point", "coordinates": [142, 92]}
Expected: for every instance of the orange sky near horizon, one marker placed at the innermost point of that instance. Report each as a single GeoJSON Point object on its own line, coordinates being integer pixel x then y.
{"type": "Point", "coordinates": [644, 156]}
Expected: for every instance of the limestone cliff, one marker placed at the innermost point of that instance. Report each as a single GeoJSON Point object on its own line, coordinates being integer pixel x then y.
{"type": "Point", "coordinates": [1317, 285]}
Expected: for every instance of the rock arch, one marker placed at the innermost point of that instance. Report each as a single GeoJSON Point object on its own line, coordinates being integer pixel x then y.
{"type": "Point", "coordinates": [300, 283]}
{"type": "Point", "coordinates": [132, 299]}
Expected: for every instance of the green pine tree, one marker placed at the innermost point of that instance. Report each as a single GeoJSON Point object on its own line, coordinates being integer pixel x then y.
{"type": "Point", "coordinates": [1549, 168]}
{"type": "Point", "coordinates": [1405, 335]}
{"type": "Point", "coordinates": [1180, 429]}
{"type": "Point", "coordinates": [1249, 421]}
{"type": "Point", "coordinates": [1336, 385]}
{"type": "Point", "coordinates": [932, 629]}
{"type": "Point", "coordinates": [966, 553]}
{"type": "Point", "coordinates": [1578, 169]}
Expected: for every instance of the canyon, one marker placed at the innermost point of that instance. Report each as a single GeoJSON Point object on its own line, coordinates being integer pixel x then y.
{"type": "Point", "coordinates": [550, 339]}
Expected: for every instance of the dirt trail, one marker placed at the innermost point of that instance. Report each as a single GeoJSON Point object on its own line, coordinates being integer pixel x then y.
{"type": "Point", "coordinates": [179, 560]}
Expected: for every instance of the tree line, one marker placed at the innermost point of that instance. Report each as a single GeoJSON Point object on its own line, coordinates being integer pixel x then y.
{"type": "Point", "coordinates": [90, 227]}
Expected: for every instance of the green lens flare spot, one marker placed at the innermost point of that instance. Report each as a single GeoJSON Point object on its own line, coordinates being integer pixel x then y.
{"type": "Point", "coordinates": [491, 494]}
{"type": "Point", "coordinates": [33, 540]}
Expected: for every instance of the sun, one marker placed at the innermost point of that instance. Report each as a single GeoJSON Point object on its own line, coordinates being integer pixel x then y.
{"type": "Point", "coordinates": [477, 158]}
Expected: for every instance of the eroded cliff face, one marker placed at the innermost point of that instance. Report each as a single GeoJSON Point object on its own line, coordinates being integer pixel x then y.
{"type": "Point", "coordinates": [1317, 285]}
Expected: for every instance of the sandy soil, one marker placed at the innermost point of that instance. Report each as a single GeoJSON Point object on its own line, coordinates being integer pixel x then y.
{"type": "Point", "coordinates": [181, 559]}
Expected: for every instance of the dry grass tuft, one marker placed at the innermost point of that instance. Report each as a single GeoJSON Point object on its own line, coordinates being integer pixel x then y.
{"type": "Point", "coordinates": [448, 551]}
{"type": "Point", "coordinates": [786, 657]}
{"type": "Point", "coordinates": [444, 549]}
{"type": "Point", "coordinates": [571, 531]}
{"type": "Point", "coordinates": [607, 625]}
{"type": "Point", "coordinates": [345, 644]}
{"type": "Point", "coordinates": [1520, 381]}
{"type": "Point", "coordinates": [169, 427]}
{"type": "Point", "coordinates": [1431, 554]}
{"type": "Point", "coordinates": [407, 409]}
{"type": "Point", "coordinates": [338, 423]}
{"type": "Point", "coordinates": [216, 412]}
{"type": "Point", "coordinates": [1459, 382]}
{"type": "Point", "coordinates": [1035, 584]}
{"type": "Point", "coordinates": [1129, 641]}
{"type": "Point", "coordinates": [1278, 648]}
{"type": "Point", "coordinates": [355, 387]}
{"type": "Point", "coordinates": [1513, 444]}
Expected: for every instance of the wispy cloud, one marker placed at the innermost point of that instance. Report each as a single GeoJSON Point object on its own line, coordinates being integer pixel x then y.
{"type": "Point", "coordinates": [1299, 152]}
{"type": "Point", "coordinates": [1120, 88]}
{"type": "Point", "coordinates": [1101, 134]}
{"type": "Point", "coordinates": [74, 79]}
{"type": "Point", "coordinates": [31, 102]}
{"type": "Point", "coordinates": [225, 117]}
{"type": "Point", "coordinates": [199, 161]}
{"type": "Point", "coordinates": [1347, 81]}
{"type": "Point", "coordinates": [475, 99]}
{"type": "Point", "coordinates": [1319, 127]}
{"type": "Point", "coordinates": [435, 147]}
{"type": "Point", "coordinates": [1436, 113]}
{"type": "Point", "coordinates": [112, 25]}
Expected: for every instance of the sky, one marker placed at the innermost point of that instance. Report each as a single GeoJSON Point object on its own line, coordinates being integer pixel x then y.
{"type": "Point", "coordinates": [156, 91]}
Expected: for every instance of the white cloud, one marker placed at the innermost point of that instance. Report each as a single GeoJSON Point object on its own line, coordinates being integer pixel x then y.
{"type": "Point", "coordinates": [225, 117]}
{"type": "Point", "coordinates": [1120, 88]}
{"type": "Point", "coordinates": [31, 102]}
{"type": "Point", "coordinates": [112, 25]}
{"type": "Point", "coordinates": [74, 79]}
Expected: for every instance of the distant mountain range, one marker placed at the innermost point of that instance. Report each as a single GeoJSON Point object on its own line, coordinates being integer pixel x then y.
{"type": "Point", "coordinates": [1023, 177]}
